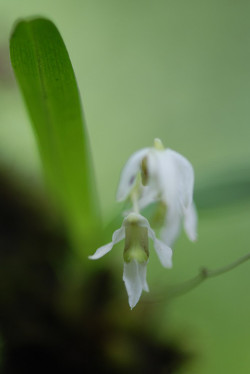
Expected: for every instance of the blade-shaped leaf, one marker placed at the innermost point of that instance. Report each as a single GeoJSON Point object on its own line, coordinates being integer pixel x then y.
{"type": "Point", "coordinates": [47, 81]}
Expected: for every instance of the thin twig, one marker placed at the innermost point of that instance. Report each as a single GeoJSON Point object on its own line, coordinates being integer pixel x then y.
{"type": "Point", "coordinates": [204, 274]}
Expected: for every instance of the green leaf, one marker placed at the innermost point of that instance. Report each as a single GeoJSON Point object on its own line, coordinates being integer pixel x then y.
{"type": "Point", "coordinates": [45, 75]}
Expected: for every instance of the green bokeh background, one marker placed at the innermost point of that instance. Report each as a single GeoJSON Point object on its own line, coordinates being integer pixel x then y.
{"type": "Point", "coordinates": [180, 71]}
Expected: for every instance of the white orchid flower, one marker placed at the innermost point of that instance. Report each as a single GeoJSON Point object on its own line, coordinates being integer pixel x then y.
{"type": "Point", "coordinates": [136, 231]}
{"type": "Point", "coordinates": [168, 177]}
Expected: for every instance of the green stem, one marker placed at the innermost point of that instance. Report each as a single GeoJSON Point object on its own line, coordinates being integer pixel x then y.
{"type": "Point", "coordinates": [204, 274]}
{"type": "Point", "coordinates": [134, 199]}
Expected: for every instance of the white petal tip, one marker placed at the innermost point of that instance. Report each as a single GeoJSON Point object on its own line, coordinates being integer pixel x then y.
{"type": "Point", "coordinates": [190, 223]}
{"type": "Point", "coordinates": [93, 257]}
{"type": "Point", "coordinates": [167, 265]}
{"type": "Point", "coordinates": [133, 303]}
{"type": "Point", "coordinates": [134, 277]}
{"type": "Point", "coordinates": [194, 239]}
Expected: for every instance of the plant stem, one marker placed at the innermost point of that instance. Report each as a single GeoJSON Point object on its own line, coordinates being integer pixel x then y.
{"type": "Point", "coordinates": [134, 198]}
{"type": "Point", "coordinates": [204, 274]}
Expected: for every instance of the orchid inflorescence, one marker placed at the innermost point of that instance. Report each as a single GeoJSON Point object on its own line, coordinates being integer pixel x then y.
{"type": "Point", "coordinates": [152, 175]}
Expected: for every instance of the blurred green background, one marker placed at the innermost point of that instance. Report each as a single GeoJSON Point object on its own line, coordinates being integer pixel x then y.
{"type": "Point", "coordinates": [180, 71]}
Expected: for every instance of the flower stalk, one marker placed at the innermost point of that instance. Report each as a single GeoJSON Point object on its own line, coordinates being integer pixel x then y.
{"type": "Point", "coordinates": [204, 274]}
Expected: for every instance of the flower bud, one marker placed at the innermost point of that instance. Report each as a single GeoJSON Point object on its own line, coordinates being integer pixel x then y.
{"type": "Point", "coordinates": [158, 144]}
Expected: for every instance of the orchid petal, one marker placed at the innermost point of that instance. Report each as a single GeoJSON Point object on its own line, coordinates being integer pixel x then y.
{"type": "Point", "coordinates": [190, 222]}
{"type": "Point", "coordinates": [118, 235]}
{"type": "Point", "coordinates": [143, 275]}
{"type": "Point", "coordinates": [172, 176]}
{"type": "Point", "coordinates": [149, 196]}
{"type": "Point", "coordinates": [171, 228]}
{"type": "Point", "coordinates": [129, 173]}
{"type": "Point", "coordinates": [100, 252]}
{"type": "Point", "coordinates": [178, 179]}
{"type": "Point", "coordinates": [163, 251]}
{"type": "Point", "coordinates": [134, 278]}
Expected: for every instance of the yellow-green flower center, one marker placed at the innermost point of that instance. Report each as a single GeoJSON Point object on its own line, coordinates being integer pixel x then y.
{"type": "Point", "coordinates": [136, 243]}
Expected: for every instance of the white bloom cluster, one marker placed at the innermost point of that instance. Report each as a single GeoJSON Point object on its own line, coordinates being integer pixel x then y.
{"type": "Point", "coordinates": [152, 175]}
